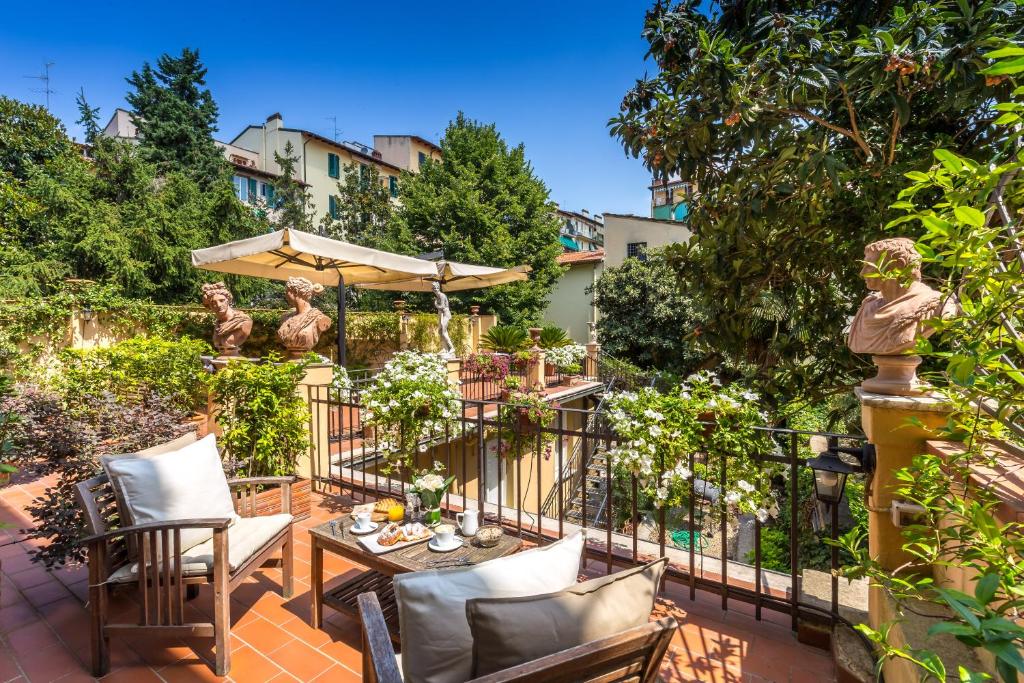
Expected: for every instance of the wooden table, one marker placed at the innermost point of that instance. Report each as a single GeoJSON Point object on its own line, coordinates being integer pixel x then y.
{"type": "Point", "coordinates": [382, 568]}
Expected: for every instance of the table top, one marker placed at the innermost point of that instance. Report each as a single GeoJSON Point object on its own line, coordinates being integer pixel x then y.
{"type": "Point", "coordinates": [413, 558]}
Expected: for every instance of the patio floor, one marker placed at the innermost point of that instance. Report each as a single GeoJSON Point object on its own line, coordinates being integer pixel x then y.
{"type": "Point", "coordinates": [44, 628]}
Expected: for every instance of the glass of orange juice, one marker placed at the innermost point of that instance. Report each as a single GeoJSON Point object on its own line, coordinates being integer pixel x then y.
{"type": "Point", "coordinates": [396, 513]}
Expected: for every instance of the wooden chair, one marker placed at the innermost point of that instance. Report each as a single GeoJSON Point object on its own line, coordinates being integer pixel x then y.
{"type": "Point", "coordinates": [634, 655]}
{"type": "Point", "coordinates": [151, 556]}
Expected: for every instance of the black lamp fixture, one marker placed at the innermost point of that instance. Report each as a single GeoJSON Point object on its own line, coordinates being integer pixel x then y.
{"type": "Point", "coordinates": [88, 315]}
{"type": "Point", "coordinates": [831, 471]}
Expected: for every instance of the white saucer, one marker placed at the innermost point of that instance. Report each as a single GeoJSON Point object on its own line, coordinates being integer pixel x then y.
{"type": "Point", "coordinates": [436, 547]}
{"type": "Point", "coordinates": [368, 530]}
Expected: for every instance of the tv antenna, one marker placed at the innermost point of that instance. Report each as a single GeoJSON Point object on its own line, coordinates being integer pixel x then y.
{"type": "Point", "coordinates": [45, 78]}
{"type": "Point", "coordinates": [334, 123]}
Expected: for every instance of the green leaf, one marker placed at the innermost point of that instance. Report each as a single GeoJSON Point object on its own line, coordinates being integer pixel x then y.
{"type": "Point", "coordinates": [986, 588]}
{"type": "Point", "coordinates": [1005, 67]}
{"type": "Point", "coordinates": [1013, 51]}
{"type": "Point", "coordinates": [948, 159]}
{"type": "Point", "coordinates": [970, 215]}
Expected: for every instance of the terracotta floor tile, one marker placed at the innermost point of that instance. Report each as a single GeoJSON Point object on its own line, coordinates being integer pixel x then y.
{"type": "Point", "coordinates": [16, 616]}
{"type": "Point", "coordinates": [33, 576]}
{"type": "Point", "coordinates": [301, 629]}
{"type": "Point", "coordinates": [46, 593]}
{"type": "Point", "coordinates": [249, 666]}
{"type": "Point", "coordinates": [189, 670]}
{"type": "Point", "coordinates": [301, 660]}
{"type": "Point", "coordinates": [132, 674]}
{"type": "Point", "coordinates": [35, 635]}
{"type": "Point", "coordinates": [9, 668]}
{"type": "Point", "coordinates": [262, 635]}
{"type": "Point", "coordinates": [44, 664]}
{"type": "Point", "coordinates": [339, 674]}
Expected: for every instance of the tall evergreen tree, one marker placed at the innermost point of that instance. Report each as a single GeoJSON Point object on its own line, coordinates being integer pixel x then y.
{"type": "Point", "coordinates": [176, 116]}
{"type": "Point", "coordinates": [293, 203]}
{"type": "Point", "coordinates": [364, 212]}
{"type": "Point", "coordinates": [482, 203]}
{"type": "Point", "coordinates": [88, 118]}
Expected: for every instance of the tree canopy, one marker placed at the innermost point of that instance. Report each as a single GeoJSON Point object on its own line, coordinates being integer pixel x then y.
{"type": "Point", "coordinates": [482, 203]}
{"type": "Point", "coordinates": [176, 116]}
{"type": "Point", "coordinates": [796, 121]}
{"type": "Point", "coordinates": [115, 219]}
{"type": "Point", "coordinates": [365, 212]}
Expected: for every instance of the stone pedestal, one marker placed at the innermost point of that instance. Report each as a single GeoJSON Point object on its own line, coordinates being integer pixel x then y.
{"type": "Point", "coordinates": [454, 370]}
{"type": "Point", "coordinates": [403, 331]}
{"type": "Point", "coordinates": [897, 376]}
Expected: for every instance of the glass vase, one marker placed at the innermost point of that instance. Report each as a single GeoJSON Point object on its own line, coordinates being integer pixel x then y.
{"type": "Point", "coordinates": [432, 516]}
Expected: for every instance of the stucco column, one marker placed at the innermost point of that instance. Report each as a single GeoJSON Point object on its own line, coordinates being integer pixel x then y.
{"type": "Point", "coordinates": [593, 351]}
{"type": "Point", "coordinates": [474, 329]}
{"type": "Point", "coordinates": [454, 369]}
{"type": "Point", "coordinates": [898, 426]}
{"type": "Point", "coordinates": [403, 330]}
{"type": "Point", "coordinates": [313, 388]}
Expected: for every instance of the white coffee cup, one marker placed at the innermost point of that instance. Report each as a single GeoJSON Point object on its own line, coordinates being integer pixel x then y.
{"type": "Point", "coordinates": [362, 521]}
{"type": "Point", "coordinates": [444, 535]}
{"type": "Point", "coordinates": [469, 521]}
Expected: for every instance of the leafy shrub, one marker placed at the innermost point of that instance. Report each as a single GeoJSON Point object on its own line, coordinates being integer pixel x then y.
{"type": "Point", "coordinates": [137, 367]}
{"type": "Point", "coordinates": [505, 339]}
{"type": "Point", "coordinates": [65, 437]}
{"type": "Point", "coordinates": [265, 421]}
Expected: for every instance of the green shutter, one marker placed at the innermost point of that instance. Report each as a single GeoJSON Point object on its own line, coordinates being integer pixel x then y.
{"type": "Point", "coordinates": [393, 185]}
{"type": "Point", "coordinates": [332, 206]}
{"type": "Point", "coordinates": [333, 167]}
{"type": "Point", "coordinates": [252, 189]}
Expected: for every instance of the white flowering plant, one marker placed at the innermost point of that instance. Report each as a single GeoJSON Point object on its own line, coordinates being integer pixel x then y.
{"type": "Point", "coordinates": [568, 358]}
{"type": "Point", "coordinates": [341, 382]}
{"type": "Point", "coordinates": [409, 401]}
{"type": "Point", "coordinates": [660, 431]}
{"type": "Point", "coordinates": [431, 485]}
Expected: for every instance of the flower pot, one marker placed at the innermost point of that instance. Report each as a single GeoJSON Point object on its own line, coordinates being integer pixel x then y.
{"type": "Point", "coordinates": [550, 370]}
{"type": "Point", "coordinates": [526, 424]}
{"type": "Point", "coordinates": [268, 502]}
{"type": "Point", "coordinates": [432, 516]}
{"type": "Point", "coordinates": [5, 478]}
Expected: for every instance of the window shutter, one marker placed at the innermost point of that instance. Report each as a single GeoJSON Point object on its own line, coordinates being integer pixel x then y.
{"type": "Point", "coordinates": [393, 185]}
{"type": "Point", "coordinates": [252, 189]}
{"type": "Point", "coordinates": [332, 206]}
{"type": "Point", "coordinates": [333, 165]}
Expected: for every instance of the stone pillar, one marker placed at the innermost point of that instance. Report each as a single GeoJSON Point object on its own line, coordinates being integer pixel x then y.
{"type": "Point", "coordinates": [474, 329]}
{"type": "Point", "coordinates": [403, 330]}
{"type": "Point", "coordinates": [535, 371]}
{"type": "Point", "coordinates": [593, 351]}
{"type": "Point", "coordinates": [454, 370]}
{"type": "Point", "coordinates": [898, 426]}
{"type": "Point", "coordinates": [314, 390]}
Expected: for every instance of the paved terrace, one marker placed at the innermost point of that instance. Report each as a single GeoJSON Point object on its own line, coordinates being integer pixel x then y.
{"type": "Point", "coordinates": [44, 629]}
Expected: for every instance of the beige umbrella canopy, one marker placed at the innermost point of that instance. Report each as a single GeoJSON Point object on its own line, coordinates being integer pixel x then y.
{"type": "Point", "coordinates": [455, 277]}
{"type": "Point", "coordinates": [292, 253]}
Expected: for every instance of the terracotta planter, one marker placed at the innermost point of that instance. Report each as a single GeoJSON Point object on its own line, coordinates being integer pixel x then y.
{"type": "Point", "coordinates": [550, 370]}
{"type": "Point", "coordinates": [269, 502]}
{"type": "Point", "coordinates": [200, 424]}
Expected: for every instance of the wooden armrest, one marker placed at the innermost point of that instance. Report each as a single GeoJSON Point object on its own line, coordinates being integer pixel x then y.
{"type": "Point", "coordinates": [211, 523]}
{"type": "Point", "coordinates": [379, 664]}
{"type": "Point", "coordinates": [283, 482]}
{"type": "Point", "coordinates": [269, 481]}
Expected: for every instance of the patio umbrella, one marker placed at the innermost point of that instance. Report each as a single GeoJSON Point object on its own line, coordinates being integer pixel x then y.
{"type": "Point", "coordinates": [455, 277]}
{"type": "Point", "coordinates": [293, 253]}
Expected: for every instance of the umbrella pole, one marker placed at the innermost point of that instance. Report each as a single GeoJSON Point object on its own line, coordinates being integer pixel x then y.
{"type": "Point", "coordinates": [341, 322]}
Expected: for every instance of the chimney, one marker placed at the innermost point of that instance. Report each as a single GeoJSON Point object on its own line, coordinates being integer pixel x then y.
{"type": "Point", "coordinates": [584, 212]}
{"type": "Point", "coordinates": [274, 121]}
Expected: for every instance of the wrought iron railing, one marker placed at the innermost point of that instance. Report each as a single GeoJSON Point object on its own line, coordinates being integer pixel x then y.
{"type": "Point", "coordinates": [513, 473]}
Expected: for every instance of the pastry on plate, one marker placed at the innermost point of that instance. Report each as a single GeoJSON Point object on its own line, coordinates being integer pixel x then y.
{"type": "Point", "coordinates": [385, 504]}
{"type": "Point", "coordinates": [391, 535]}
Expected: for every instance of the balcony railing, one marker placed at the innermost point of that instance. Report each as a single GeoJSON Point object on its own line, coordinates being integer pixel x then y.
{"type": "Point", "coordinates": [562, 480]}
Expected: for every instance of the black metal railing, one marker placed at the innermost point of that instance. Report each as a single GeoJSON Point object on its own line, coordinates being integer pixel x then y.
{"type": "Point", "coordinates": [488, 384]}
{"type": "Point", "coordinates": [531, 478]}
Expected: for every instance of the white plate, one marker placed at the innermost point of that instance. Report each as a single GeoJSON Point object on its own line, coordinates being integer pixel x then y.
{"type": "Point", "coordinates": [368, 530]}
{"type": "Point", "coordinates": [436, 547]}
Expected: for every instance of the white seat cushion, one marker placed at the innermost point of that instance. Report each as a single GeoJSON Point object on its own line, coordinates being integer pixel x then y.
{"type": "Point", "coordinates": [246, 537]}
{"type": "Point", "coordinates": [187, 483]}
{"type": "Point", "coordinates": [437, 645]}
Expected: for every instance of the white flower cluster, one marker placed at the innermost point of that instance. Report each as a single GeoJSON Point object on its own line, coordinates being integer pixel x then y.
{"type": "Point", "coordinates": [563, 357]}
{"type": "Point", "coordinates": [428, 482]}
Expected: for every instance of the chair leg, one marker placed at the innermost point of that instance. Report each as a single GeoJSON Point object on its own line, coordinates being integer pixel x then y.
{"type": "Point", "coordinates": [99, 641]}
{"type": "Point", "coordinates": [287, 565]}
{"type": "Point", "coordinates": [221, 603]}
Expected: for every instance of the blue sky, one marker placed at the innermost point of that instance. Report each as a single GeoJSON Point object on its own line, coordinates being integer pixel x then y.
{"type": "Point", "coordinates": [549, 74]}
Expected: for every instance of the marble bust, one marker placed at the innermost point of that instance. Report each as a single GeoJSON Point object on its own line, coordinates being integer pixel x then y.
{"type": "Point", "coordinates": [300, 330]}
{"type": "Point", "coordinates": [895, 315]}
{"type": "Point", "coordinates": [233, 326]}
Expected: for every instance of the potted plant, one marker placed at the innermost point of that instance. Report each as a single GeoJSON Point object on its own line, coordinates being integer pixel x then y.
{"type": "Point", "coordinates": [6, 447]}
{"type": "Point", "coordinates": [551, 337]}
{"type": "Point", "coordinates": [567, 358]}
{"type": "Point", "coordinates": [431, 486]}
{"type": "Point", "coordinates": [523, 416]}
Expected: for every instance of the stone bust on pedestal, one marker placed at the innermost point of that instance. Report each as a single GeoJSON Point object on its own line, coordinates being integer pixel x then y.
{"type": "Point", "coordinates": [300, 330]}
{"type": "Point", "coordinates": [894, 316]}
{"type": "Point", "coordinates": [233, 326]}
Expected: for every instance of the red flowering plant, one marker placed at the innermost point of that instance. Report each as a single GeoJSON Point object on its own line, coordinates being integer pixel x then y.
{"type": "Point", "coordinates": [489, 366]}
{"type": "Point", "coordinates": [521, 420]}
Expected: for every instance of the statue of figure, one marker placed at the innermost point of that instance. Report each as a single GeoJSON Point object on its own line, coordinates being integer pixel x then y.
{"type": "Point", "coordinates": [895, 315]}
{"type": "Point", "coordinates": [301, 330]}
{"type": "Point", "coordinates": [233, 326]}
{"type": "Point", "coordinates": [444, 316]}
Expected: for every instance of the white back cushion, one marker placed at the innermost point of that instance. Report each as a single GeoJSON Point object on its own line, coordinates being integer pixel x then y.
{"type": "Point", "coordinates": [437, 646]}
{"type": "Point", "coordinates": [187, 483]}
